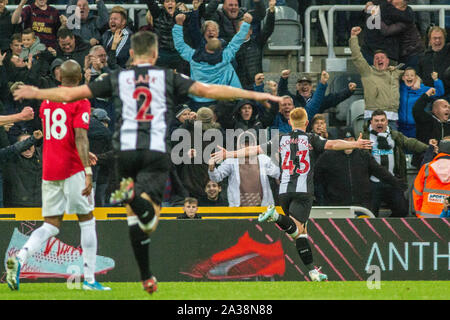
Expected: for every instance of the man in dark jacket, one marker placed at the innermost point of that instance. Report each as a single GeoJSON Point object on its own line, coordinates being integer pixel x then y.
{"type": "Point", "coordinates": [7, 28]}
{"type": "Point", "coordinates": [182, 113]}
{"type": "Point", "coordinates": [100, 142]}
{"type": "Point", "coordinates": [23, 126]}
{"type": "Point", "coordinates": [436, 58]}
{"type": "Point", "coordinates": [22, 174]}
{"type": "Point", "coordinates": [71, 46]}
{"type": "Point", "coordinates": [388, 149]}
{"type": "Point", "coordinates": [90, 26]}
{"type": "Point", "coordinates": [411, 44]}
{"type": "Point", "coordinates": [249, 57]}
{"type": "Point", "coordinates": [434, 125]}
{"type": "Point", "coordinates": [53, 80]}
{"type": "Point", "coordinates": [247, 116]}
{"type": "Point", "coordinates": [373, 37]}
{"type": "Point", "coordinates": [304, 93]}
{"type": "Point", "coordinates": [229, 16]}
{"type": "Point", "coordinates": [194, 172]}
{"type": "Point", "coordinates": [163, 21]}
{"type": "Point", "coordinates": [344, 176]}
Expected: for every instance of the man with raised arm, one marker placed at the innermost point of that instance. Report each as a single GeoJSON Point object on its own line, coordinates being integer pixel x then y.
{"type": "Point", "coordinates": [146, 97]}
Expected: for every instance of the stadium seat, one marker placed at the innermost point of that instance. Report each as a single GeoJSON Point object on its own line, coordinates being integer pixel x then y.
{"type": "Point", "coordinates": [339, 83]}
{"type": "Point", "coordinates": [355, 116]}
{"type": "Point", "coordinates": [286, 23]}
{"type": "Point", "coordinates": [289, 3]}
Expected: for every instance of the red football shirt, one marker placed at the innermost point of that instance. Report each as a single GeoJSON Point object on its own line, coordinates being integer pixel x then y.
{"type": "Point", "coordinates": [59, 120]}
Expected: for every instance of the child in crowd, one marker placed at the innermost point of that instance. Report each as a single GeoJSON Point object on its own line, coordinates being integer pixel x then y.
{"type": "Point", "coordinates": [190, 209]}
{"type": "Point", "coordinates": [408, 97]}
{"type": "Point", "coordinates": [31, 44]}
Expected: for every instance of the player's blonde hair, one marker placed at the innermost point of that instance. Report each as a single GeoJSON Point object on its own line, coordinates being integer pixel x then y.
{"type": "Point", "coordinates": [298, 117]}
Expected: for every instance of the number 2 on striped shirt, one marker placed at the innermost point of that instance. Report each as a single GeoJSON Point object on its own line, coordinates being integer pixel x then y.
{"type": "Point", "coordinates": [289, 164]}
{"type": "Point", "coordinates": [142, 114]}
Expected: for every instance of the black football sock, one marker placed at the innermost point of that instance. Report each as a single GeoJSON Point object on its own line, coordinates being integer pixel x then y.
{"type": "Point", "coordinates": [304, 251]}
{"type": "Point", "coordinates": [140, 242]}
{"type": "Point", "coordinates": [143, 209]}
{"type": "Point", "coordinates": [287, 225]}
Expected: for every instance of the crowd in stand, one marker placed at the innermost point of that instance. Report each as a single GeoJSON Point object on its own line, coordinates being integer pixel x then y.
{"type": "Point", "coordinates": [404, 69]}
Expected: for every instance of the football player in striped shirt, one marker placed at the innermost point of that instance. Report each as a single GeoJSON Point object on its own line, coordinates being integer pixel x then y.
{"type": "Point", "coordinates": [297, 151]}
{"type": "Point", "coordinates": [146, 97]}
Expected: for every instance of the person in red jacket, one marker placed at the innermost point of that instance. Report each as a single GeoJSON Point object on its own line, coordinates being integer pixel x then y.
{"type": "Point", "coordinates": [432, 184]}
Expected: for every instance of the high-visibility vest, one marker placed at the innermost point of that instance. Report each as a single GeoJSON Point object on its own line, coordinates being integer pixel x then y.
{"type": "Point", "coordinates": [430, 188]}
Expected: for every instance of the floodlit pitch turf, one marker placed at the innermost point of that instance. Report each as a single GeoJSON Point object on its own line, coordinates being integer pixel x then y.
{"type": "Point", "coordinates": [288, 290]}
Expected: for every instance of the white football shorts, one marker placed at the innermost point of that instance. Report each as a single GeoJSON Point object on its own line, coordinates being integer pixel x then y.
{"type": "Point", "coordinates": [61, 196]}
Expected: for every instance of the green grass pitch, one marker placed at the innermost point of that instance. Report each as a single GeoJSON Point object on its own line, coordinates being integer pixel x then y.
{"type": "Point", "coordinates": [257, 290]}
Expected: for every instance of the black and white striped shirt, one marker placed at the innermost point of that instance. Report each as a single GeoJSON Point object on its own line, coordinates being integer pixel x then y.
{"type": "Point", "coordinates": [298, 153]}
{"type": "Point", "coordinates": [145, 97]}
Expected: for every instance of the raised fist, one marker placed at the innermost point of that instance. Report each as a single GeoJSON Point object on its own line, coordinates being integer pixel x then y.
{"type": "Point", "coordinates": [38, 134]}
{"type": "Point", "coordinates": [352, 86]}
{"type": "Point", "coordinates": [273, 86]}
{"type": "Point", "coordinates": [63, 19]}
{"type": "Point", "coordinates": [93, 42]}
{"type": "Point", "coordinates": [259, 79]}
{"type": "Point", "coordinates": [356, 31]}
{"type": "Point", "coordinates": [285, 73]}
{"type": "Point", "coordinates": [179, 19]}
{"type": "Point", "coordinates": [431, 92]}
{"type": "Point", "coordinates": [52, 51]}
{"type": "Point", "coordinates": [324, 77]}
{"type": "Point", "coordinates": [247, 17]}
{"type": "Point", "coordinates": [27, 113]}
{"type": "Point", "coordinates": [196, 4]}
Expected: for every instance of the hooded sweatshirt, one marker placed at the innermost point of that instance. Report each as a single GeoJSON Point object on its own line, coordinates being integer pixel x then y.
{"type": "Point", "coordinates": [408, 97]}
{"type": "Point", "coordinates": [221, 73]}
{"type": "Point", "coordinates": [35, 48]}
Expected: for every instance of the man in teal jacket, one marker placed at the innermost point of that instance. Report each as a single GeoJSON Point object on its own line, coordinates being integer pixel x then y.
{"type": "Point", "coordinates": [221, 72]}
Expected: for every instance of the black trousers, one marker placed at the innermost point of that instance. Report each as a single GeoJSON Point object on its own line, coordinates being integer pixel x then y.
{"type": "Point", "coordinates": [393, 197]}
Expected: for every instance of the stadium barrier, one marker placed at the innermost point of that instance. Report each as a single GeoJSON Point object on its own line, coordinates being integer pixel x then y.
{"type": "Point", "coordinates": [167, 213]}
{"type": "Point", "coordinates": [243, 249]}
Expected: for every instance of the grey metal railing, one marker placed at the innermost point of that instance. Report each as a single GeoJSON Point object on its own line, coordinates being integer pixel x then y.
{"type": "Point", "coordinates": [330, 25]}
{"type": "Point", "coordinates": [308, 12]}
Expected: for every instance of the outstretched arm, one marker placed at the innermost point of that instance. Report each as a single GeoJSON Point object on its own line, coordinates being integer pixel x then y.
{"type": "Point", "coordinates": [224, 154]}
{"type": "Point", "coordinates": [220, 92]}
{"type": "Point", "coordinates": [343, 144]}
{"type": "Point", "coordinates": [26, 114]}
{"type": "Point", "coordinates": [61, 94]}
